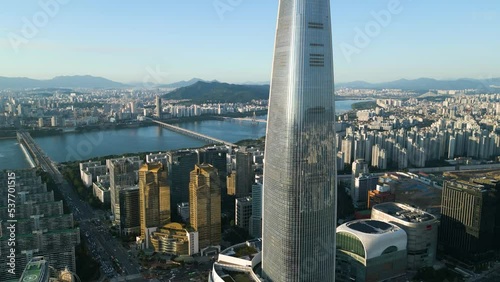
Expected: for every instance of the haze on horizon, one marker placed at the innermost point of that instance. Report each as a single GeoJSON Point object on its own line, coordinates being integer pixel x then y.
{"type": "Point", "coordinates": [232, 41]}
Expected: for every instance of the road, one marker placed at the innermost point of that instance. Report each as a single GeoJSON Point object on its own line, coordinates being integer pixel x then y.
{"type": "Point", "coordinates": [99, 241]}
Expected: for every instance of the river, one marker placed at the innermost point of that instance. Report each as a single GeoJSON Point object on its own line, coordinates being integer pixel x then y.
{"type": "Point", "coordinates": [86, 145]}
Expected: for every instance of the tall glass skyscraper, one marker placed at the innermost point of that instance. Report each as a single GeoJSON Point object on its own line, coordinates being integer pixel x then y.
{"type": "Point", "coordinates": [299, 214]}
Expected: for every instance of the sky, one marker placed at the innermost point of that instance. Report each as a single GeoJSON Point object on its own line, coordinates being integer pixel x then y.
{"type": "Point", "coordinates": [163, 41]}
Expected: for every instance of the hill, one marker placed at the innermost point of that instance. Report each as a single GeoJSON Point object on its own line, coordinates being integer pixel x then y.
{"type": "Point", "coordinates": [219, 92]}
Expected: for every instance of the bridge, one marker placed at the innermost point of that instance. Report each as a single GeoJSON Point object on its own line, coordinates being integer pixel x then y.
{"type": "Point", "coordinates": [38, 156]}
{"type": "Point", "coordinates": [203, 137]}
{"type": "Point", "coordinates": [248, 119]}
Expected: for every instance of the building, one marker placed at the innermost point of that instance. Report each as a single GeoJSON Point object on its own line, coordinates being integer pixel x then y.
{"type": "Point", "coordinates": [381, 194]}
{"type": "Point", "coordinates": [42, 228]}
{"type": "Point", "coordinates": [37, 270]}
{"type": "Point", "coordinates": [231, 183]}
{"type": "Point", "coordinates": [180, 165]}
{"type": "Point", "coordinates": [130, 221]}
{"type": "Point", "coordinates": [300, 156]}
{"type": "Point", "coordinates": [370, 250]}
{"type": "Point", "coordinates": [205, 205]}
{"type": "Point", "coordinates": [174, 239]}
{"type": "Point", "coordinates": [158, 108]}
{"type": "Point", "coordinates": [160, 157]}
{"type": "Point", "coordinates": [359, 166]}
{"type": "Point", "coordinates": [238, 263]}
{"type": "Point", "coordinates": [362, 185]}
{"type": "Point", "coordinates": [216, 156]}
{"type": "Point", "coordinates": [469, 216]}
{"type": "Point", "coordinates": [243, 212]}
{"type": "Point", "coordinates": [102, 193]}
{"type": "Point", "coordinates": [54, 122]}
{"type": "Point", "coordinates": [122, 174]}
{"type": "Point", "coordinates": [256, 218]}
{"type": "Point", "coordinates": [183, 211]}
{"type": "Point", "coordinates": [244, 173]}
{"type": "Point", "coordinates": [154, 198]}
{"type": "Point", "coordinates": [421, 228]}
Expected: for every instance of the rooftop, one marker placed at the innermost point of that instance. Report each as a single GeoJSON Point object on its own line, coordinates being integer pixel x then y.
{"type": "Point", "coordinates": [370, 226]}
{"type": "Point", "coordinates": [245, 250]}
{"type": "Point", "coordinates": [404, 212]}
{"type": "Point", "coordinates": [34, 270]}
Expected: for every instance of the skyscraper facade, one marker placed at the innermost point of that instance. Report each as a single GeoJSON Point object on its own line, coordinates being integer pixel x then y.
{"type": "Point", "coordinates": [299, 214]}
{"type": "Point", "coordinates": [154, 197]}
{"type": "Point", "coordinates": [205, 205]}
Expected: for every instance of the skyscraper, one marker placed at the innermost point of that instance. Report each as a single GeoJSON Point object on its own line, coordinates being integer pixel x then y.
{"type": "Point", "coordinates": [205, 205]}
{"type": "Point", "coordinates": [158, 109]}
{"type": "Point", "coordinates": [154, 198]}
{"type": "Point", "coordinates": [299, 215]}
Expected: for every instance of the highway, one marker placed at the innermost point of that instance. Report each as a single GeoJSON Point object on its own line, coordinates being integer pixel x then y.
{"type": "Point", "coordinates": [99, 241]}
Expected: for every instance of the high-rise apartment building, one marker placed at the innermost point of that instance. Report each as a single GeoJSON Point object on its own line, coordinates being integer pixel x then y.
{"type": "Point", "coordinates": [205, 205]}
{"type": "Point", "coordinates": [300, 159]}
{"type": "Point", "coordinates": [41, 227]}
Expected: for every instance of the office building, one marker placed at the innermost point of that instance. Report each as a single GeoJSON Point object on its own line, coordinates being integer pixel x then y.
{"type": "Point", "coordinates": [180, 165]}
{"type": "Point", "coordinates": [243, 212]}
{"type": "Point", "coordinates": [205, 205]}
{"type": "Point", "coordinates": [244, 173]}
{"type": "Point", "coordinates": [122, 174]}
{"type": "Point", "coordinates": [154, 198]}
{"type": "Point", "coordinates": [231, 183]}
{"type": "Point", "coordinates": [256, 218]}
{"type": "Point", "coordinates": [469, 216]}
{"type": "Point", "coordinates": [217, 157]}
{"type": "Point", "coordinates": [130, 221]}
{"type": "Point", "coordinates": [421, 228]}
{"type": "Point", "coordinates": [183, 211]}
{"type": "Point", "coordinates": [300, 156]}
{"type": "Point", "coordinates": [370, 250]}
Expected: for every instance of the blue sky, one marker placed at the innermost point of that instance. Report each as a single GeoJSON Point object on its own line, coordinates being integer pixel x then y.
{"type": "Point", "coordinates": [171, 40]}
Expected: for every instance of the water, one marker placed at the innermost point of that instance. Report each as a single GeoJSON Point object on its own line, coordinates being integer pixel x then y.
{"type": "Point", "coordinates": [11, 155]}
{"type": "Point", "coordinates": [82, 146]}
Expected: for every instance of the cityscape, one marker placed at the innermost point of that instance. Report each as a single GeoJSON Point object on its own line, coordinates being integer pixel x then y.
{"type": "Point", "coordinates": [273, 167]}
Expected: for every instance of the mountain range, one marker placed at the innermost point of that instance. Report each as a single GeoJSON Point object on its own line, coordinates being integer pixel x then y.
{"type": "Point", "coordinates": [87, 81]}
{"type": "Point", "coordinates": [427, 84]}
{"type": "Point", "coordinates": [77, 81]}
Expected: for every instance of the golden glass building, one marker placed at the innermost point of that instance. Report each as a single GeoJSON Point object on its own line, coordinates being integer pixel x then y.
{"type": "Point", "coordinates": [174, 239]}
{"type": "Point", "coordinates": [205, 205]}
{"type": "Point", "coordinates": [154, 197]}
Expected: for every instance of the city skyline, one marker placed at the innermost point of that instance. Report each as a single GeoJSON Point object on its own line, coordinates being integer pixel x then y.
{"type": "Point", "coordinates": [127, 42]}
